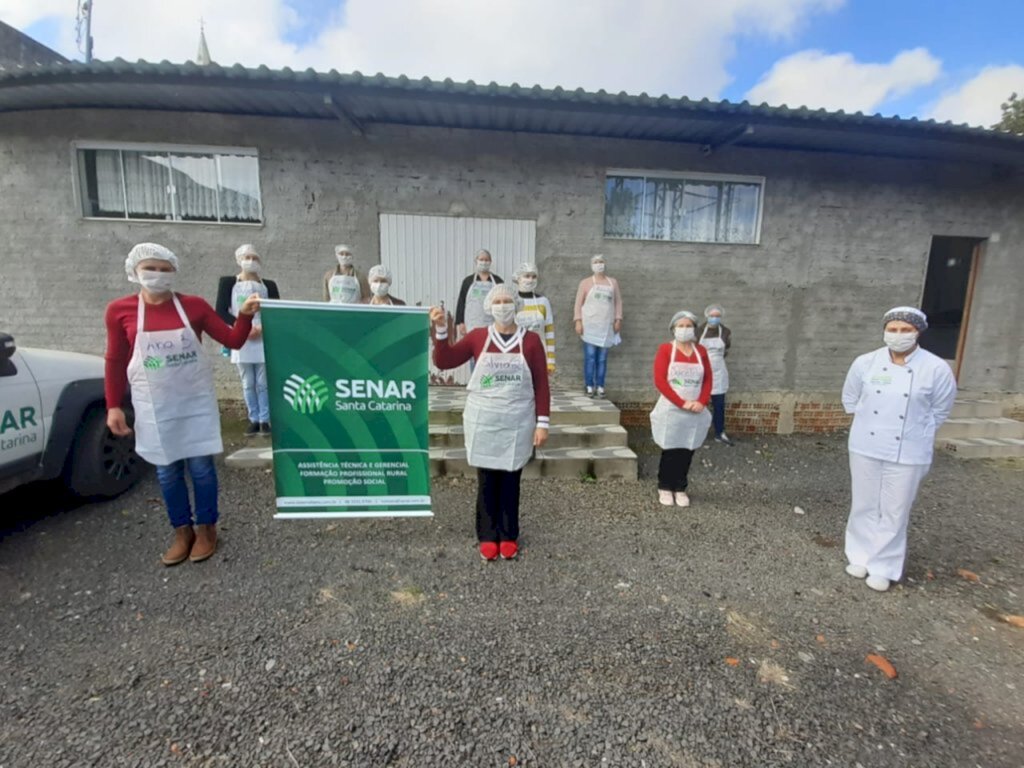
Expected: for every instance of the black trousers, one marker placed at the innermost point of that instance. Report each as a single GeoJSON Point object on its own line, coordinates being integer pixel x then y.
{"type": "Point", "coordinates": [497, 505]}
{"type": "Point", "coordinates": [674, 469]}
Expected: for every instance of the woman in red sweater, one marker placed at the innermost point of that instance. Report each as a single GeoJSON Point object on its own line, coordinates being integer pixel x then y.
{"type": "Point", "coordinates": [507, 414]}
{"type": "Point", "coordinates": [154, 345]}
{"type": "Point", "coordinates": [680, 419]}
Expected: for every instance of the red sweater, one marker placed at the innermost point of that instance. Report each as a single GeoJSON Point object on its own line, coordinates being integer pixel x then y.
{"type": "Point", "coordinates": [447, 355]}
{"type": "Point", "coordinates": [661, 362]}
{"type": "Point", "coordinates": [122, 318]}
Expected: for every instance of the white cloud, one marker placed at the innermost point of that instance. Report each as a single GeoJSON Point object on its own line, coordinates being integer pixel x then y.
{"type": "Point", "coordinates": [680, 47]}
{"type": "Point", "coordinates": [977, 101]}
{"type": "Point", "coordinates": [838, 81]}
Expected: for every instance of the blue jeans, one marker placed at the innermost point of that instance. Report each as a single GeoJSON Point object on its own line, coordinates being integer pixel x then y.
{"type": "Point", "coordinates": [595, 364]}
{"type": "Point", "coordinates": [718, 413]}
{"type": "Point", "coordinates": [254, 390]}
{"type": "Point", "coordinates": [175, 491]}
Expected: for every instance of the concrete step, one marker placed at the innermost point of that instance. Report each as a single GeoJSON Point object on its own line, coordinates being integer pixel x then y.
{"type": "Point", "coordinates": [573, 463]}
{"type": "Point", "coordinates": [983, 447]}
{"type": "Point", "coordinates": [560, 436]}
{"type": "Point", "coordinates": [975, 427]}
{"type": "Point", "coordinates": [602, 463]}
{"type": "Point", "coordinates": [976, 408]}
{"type": "Point", "coordinates": [448, 403]}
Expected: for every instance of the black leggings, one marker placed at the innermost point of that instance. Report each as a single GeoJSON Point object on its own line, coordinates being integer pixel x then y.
{"type": "Point", "coordinates": [497, 505]}
{"type": "Point", "coordinates": [674, 469]}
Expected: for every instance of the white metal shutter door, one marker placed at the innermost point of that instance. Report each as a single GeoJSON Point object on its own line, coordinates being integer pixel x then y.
{"type": "Point", "coordinates": [429, 256]}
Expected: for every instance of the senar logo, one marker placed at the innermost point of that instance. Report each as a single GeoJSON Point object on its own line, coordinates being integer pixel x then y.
{"type": "Point", "coordinates": [153, 362]}
{"type": "Point", "coordinates": [306, 395]}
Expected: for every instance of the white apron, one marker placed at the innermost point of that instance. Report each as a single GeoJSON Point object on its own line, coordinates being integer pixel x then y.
{"type": "Point", "coordinates": [715, 345]}
{"type": "Point", "coordinates": [671, 426]}
{"type": "Point", "coordinates": [344, 289]}
{"type": "Point", "coordinates": [599, 315]}
{"type": "Point", "coordinates": [252, 350]}
{"type": "Point", "coordinates": [171, 380]}
{"type": "Point", "coordinates": [501, 413]}
{"type": "Point", "coordinates": [475, 316]}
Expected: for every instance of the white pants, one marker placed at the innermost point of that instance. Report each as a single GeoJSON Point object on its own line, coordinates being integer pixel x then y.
{"type": "Point", "coordinates": [883, 493]}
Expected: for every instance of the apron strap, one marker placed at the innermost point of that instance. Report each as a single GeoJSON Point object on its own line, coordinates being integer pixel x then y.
{"type": "Point", "coordinates": [141, 314]}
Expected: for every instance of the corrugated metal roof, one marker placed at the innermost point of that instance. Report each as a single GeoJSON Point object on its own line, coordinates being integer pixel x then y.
{"type": "Point", "coordinates": [373, 99]}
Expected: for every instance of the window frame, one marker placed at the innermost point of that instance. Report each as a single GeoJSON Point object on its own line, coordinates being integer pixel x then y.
{"type": "Point", "coordinates": [647, 174]}
{"type": "Point", "coordinates": [169, 149]}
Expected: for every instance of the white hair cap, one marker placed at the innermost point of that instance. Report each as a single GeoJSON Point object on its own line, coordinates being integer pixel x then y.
{"type": "Point", "coordinates": [596, 258]}
{"type": "Point", "coordinates": [340, 249]}
{"type": "Point", "coordinates": [526, 268]}
{"type": "Point", "coordinates": [243, 251]}
{"type": "Point", "coordinates": [679, 316]}
{"type": "Point", "coordinates": [711, 308]}
{"type": "Point", "coordinates": [501, 291]}
{"type": "Point", "coordinates": [143, 251]}
{"type": "Point", "coordinates": [379, 271]}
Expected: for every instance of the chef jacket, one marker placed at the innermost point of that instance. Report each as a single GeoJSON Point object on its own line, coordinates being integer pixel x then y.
{"type": "Point", "coordinates": [898, 408]}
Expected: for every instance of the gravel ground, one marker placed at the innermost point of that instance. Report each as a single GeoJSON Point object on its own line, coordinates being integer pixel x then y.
{"type": "Point", "coordinates": [626, 635]}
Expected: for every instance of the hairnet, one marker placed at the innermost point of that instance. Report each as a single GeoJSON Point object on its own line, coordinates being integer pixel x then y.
{"type": "Point", "coordinates": [526, 268]}
{"type": "Point", "coordinates": [597, 257]}
{"type": "Point", "coordinates": [711, 308]}
{"type": "Point", "coordinates": [144, 251]}
{"type": "Point", "coordinates": [679, 316]}
{"type": "Point", "coordinates": [501, 291]}
{"type": "Point", "coordinates": [243, 251]}
{"type": "Point", "coordinates": [378, 272]}
{"type": "Point", "coordinates": [339, 249]}
{"type": "Point", "coordinates": [915, 317]}
{"type": "Point", "coordinates": [484, 252]}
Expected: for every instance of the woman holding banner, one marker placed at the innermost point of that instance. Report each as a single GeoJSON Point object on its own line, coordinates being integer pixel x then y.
{"type": "Point", "coordinates": [508, 409]}
{"type": "Point", "coordinates": [154, 345]}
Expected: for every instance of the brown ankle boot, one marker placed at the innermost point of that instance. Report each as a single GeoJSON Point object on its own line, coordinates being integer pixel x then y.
{"type": "Point", "coordinates": [205, 544]}
{"type": "Point", "coordinates": [184, 536]}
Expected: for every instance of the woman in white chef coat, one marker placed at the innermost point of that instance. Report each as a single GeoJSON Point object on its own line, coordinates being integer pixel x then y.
{"type": "Point", "coordinates": [899, 396]}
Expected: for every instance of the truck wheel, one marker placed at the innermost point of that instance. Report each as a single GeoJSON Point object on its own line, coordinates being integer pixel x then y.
{"type": "Point", "coordinates": [101, 465]}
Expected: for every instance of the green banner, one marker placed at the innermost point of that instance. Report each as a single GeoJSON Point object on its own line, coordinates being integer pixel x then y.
{"type": "Point", "coordinates": [349, 406]}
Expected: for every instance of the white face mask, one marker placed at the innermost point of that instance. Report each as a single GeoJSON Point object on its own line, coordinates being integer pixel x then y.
{"type": "Point", "coordinates": [527, 284]}
{"type": "Point", "coordinates": [899, 342]}
{"type": "Point", "coordinates": [251, 265]}
{"type": "Point", "coordinates": [483, 266]}
{"type": "Point", "coordinates": [503, 313]}
{"type": "Point", "coordinates": [156, 282]}
{"type": "Point", "coordinates": [684, 333]}
{"type": "Point", "coordinates": [380, 288]}
{"type": "Point", "coordinates": [345, 259]}
{"type": "Point", "coordinates": [598, 267]}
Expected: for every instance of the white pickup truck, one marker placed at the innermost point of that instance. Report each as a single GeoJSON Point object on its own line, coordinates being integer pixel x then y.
{"type": "Point", "coordinates": [53, 424]}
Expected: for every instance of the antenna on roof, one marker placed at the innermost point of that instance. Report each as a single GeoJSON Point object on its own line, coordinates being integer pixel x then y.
{"type": "Point", "coordinates": [83, 28]}
{"type": "Point", "coordinates": [203, 56]}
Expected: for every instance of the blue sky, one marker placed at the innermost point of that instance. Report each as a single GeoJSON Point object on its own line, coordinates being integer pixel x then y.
{"type": "Point", "coordinates": [948, 59]}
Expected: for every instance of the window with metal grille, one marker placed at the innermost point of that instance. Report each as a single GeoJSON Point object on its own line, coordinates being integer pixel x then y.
{"type": "Point", "coordinates": [170, 183]}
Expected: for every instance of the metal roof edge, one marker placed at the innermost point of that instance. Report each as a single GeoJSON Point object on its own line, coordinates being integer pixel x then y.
{"type": "Point", "coordinates": [189, 73]}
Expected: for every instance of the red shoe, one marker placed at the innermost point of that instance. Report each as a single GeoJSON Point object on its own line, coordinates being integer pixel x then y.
{"type": "Point", "coordinates": [509, 550]}
{"type": "Point", "coordinates": [488, 550]}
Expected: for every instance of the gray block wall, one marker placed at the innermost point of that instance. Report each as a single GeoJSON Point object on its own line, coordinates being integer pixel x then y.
{"type": "Point", "coordinates": [843, 237]}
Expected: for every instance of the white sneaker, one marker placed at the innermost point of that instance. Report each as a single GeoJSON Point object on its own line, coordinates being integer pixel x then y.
{"type": "Point", "coordinates": [682, 500]}
{"type": "Point", "coordinates": [857, 571]}
{"type": "Point", "coordinates": [878, 583]}
{"type": "Point", "coordinates": [600, 391]}
{"type": "Point", "coordinates": [665, 497]}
